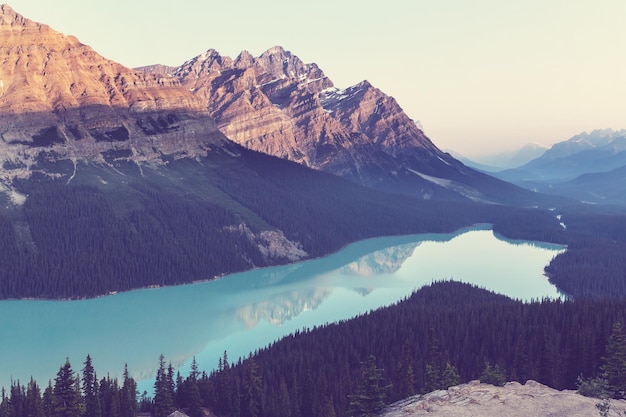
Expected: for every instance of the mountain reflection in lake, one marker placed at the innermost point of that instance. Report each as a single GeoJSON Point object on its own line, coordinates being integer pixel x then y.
{"type": "Point", "coordinates": [246, 311]}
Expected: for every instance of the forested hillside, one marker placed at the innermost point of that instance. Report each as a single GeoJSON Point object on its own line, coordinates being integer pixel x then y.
{"type": "Point", "coordinates": [441, 335]}
{"type": "Point", "coordinates": [115, 228]}
{"type": "Point", "coordinates": [594, 266]}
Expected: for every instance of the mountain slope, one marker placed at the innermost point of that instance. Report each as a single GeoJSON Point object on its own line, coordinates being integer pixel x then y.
{"type": "Point", "coordinates": [279, 105]}
{"type": "Point", "coordinates": [510, 159]}
{"type": "Point", "coordinates": [113, 179]}
{"type": "Point", "coordinates": [598, 151]}
{"type": "Point", "coordinates": [599, 187]}
{"type": "Point", "coordinates": [60, 96]}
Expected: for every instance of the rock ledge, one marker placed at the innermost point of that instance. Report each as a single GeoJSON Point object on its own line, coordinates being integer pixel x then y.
{"type": "Point", "coordinates": [512, 400]}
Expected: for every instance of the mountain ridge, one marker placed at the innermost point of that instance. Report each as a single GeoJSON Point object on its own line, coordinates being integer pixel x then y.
{"type": "Point", "coordinates": [588, 167]}
{"type": "Point", "coordinates": [114, 179]}
{"type": "Point", "coordinates": [598, 151]}
{"type": "Point", "coordinates": [279, 105]}
{"type": "Point", "coordinates": [61, 99]}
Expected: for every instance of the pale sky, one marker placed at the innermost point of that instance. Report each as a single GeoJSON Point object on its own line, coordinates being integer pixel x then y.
{"type": "Point", "coordinates": [480, 75]}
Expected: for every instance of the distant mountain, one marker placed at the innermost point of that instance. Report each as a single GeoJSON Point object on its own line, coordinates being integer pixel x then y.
{"type": "Point", "coordinates": [279, 105]}
{"type": "Point", "coordinates": [598, 151]}
{"type": "Point", "coordinates": [473, 164]}
{"type": "Point", "coordinates": [514, 158]}
{"type": "Point", "coordinates": [509, 159]}
{"type": "Point", "coordinates": [600, 188]}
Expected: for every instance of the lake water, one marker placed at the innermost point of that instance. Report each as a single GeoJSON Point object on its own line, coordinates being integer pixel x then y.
{"type": "Point", "coordinates": [242, 312]}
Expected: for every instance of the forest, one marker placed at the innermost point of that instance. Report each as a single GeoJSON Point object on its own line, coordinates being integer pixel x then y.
{"type": "Point", "coordinates": [113, 230]}
{"type": "Point", "coordinates": [119, 229]}
{"type": "Point", "coordinates": [441, 335]}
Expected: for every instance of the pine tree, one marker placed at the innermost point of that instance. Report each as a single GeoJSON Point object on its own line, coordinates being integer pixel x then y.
{"type": "Point", "coordinates": [450, 376]}
{"type": "Point", "coordinates": [90, 391]}
{"type": "Point", "coordinates": [521, 362]}
{"type": "Point", "coordinates": [370, 395]}
{"type": "Point", "coordinates": [47, 400]}
{"type": "Point", "coordinates": [614, 363]}
{"type": "Point", "coordinates": [5, 405]}
{"type": "Point", "coordinates": [284, 402]}
{"type": "Point", "coordinates": [109, 397]}
{"type": "Point", "coordinates": [307, 405]}
{"type": "Point", "coordinates": [225, 387]}
{"type": "Point", "coordinates": [252, 401]}
{"type": "Point", "coordinates": [194, 402]}
{"type": "Point", "coordinates": [34, 402]}
{"type": "Point", "coordinates": [163, 390]}
{"type": "Point", "coordinates": [432, 369]}
{"type": "Point", "coordinates": [547, 359]}
{"type": "Point", "coordinates": [493, 375]}
{"type": "Point", "coordinates": [18, 400]}
{"type": "Point", "coordinates": [66, 394]}
{"type": "Point", "coordinates": [405, 373]}
{"type": "Point", "coordinates": [128, 395]}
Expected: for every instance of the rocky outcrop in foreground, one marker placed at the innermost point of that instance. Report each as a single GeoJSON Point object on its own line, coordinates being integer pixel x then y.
{"type": "Point", "coordinates": [512, 400]}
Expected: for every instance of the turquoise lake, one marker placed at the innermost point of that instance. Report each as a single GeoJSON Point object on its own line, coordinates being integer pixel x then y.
{"type": "Point", "coordinates": [246, 311]}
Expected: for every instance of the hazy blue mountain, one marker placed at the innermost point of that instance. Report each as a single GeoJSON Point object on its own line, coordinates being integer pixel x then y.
{"type": "Point", "coordinates": [511, 159]}
{"type": "Point", "coordinates": [599, 188]}
{"type": "Point", "coordinates": [473, 164]}
{"type": "Point", "coordinates": [598, 151]}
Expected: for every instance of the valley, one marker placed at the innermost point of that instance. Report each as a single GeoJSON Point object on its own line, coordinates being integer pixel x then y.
{"type": "Point", "coordinates": [249, 207]}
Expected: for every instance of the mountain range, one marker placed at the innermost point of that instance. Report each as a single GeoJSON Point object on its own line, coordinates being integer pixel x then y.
{"type": "Point", "coordinates": [588, 167]}
{"type": "Point", "coordinates": [114, 178]}
{"type": "Point", "coordinates": [281, 106]}
{"type": "Point", "coordinates": [503, 160]}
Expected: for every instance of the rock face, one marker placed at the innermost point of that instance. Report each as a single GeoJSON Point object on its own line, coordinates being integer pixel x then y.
{"type": "Point", "coordinates": [279, 105]}
{"type": "Point", "coordinates": [59, 97]}
{"type": "Point", "coordinates": [513, 399]}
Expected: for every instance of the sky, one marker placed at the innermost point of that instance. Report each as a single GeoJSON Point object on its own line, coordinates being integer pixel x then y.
{"type": "Point", "coordinates": [481, 76]}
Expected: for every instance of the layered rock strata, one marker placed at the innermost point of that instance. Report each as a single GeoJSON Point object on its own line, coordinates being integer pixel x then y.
{"type": "Point", "coordinates": [60, 99]}
{"type": "Point", "coordinates": [279, 105]}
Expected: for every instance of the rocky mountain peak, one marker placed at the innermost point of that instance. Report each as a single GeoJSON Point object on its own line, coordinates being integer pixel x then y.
{"type": "Point", "coordinates": [15, 28]}
{"type": "Point", "coordinates": [204, 64]}
{"type": "Point", "coordinates": [244, 60]}
{"type": "Point", "coordinates": [58, 94]}
{"type": "Point", "coordinates": [10, 17]}
{"type": "Point", "coordinates": [278, 104]}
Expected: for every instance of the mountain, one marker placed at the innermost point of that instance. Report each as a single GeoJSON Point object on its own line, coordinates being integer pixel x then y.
{"type": "Point", "coordinates": [60, 96]}
{"type": "Point", "coordinates": [511, 159]}
{"type": "Point", "coordinates": [599, 187]}
{"type": "Point", "coordinates": [588, 167]}
{"type": "Point", "coordinates": [598, 151]}
{"type": "Point", "coordinates": [279, 105]}
{"type": "Point", "coordinates": [473, 164]}
{"type": "Point", "coordinates": [113, 179]}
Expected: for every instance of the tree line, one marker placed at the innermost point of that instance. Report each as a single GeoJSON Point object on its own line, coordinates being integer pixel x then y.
{"type": "Point", "coordinates": [107, 231]}
{"type": "Point", "coordinates": [441, 335]}
{"type": "Point", "coordinates": [72, 394]}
